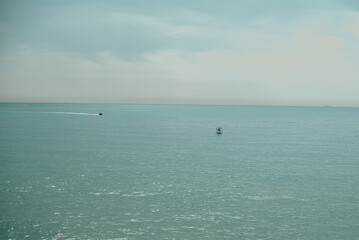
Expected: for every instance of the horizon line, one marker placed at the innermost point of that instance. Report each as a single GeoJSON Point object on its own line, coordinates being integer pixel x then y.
{"type": "Point", "coordinates": [194, 104]}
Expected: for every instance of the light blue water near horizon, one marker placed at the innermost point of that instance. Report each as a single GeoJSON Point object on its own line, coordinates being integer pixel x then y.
{"type": "Point", "coordinates": [161, 172]}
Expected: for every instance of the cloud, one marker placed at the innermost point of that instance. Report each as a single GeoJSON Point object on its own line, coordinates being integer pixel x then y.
{"type": "Point", "coordinates": [130, 28]}
{"type": "Point", "coordinates": [178, 52]}
{"type": "Point", "coordinates": [58, 76]}
{"type": "Point", "coordinates": [290, 73]}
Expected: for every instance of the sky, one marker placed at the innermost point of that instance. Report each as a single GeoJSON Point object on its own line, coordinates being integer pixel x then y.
{"type": "Point", "coordinates": [241, 52]}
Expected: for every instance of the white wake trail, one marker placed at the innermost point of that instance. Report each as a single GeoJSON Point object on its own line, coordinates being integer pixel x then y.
{"type": "Point", "coordinates": [74, 113]}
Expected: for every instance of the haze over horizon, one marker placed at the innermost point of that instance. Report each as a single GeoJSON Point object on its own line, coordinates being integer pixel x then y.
{"type": "Point", "coordinates": [245, 52]}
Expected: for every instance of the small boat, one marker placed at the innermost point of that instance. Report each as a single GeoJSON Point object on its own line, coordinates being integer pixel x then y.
{"type": "Point", "coordinates": [219, 130]}
{"type": "Point", "coordinates": [100, 113]}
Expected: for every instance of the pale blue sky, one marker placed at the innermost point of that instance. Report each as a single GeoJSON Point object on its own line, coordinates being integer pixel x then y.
{"type": "Point", "coordinates": [267, 52]}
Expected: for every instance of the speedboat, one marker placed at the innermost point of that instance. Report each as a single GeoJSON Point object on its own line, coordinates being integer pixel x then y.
{"type": "Point", "coordinates": [219, 130]}
{"type": "Point", "coordinates": [100, 113]}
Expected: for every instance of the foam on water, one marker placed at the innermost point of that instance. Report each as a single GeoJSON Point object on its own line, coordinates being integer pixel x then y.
{"type": "Point", "coordinates": [74, 113]}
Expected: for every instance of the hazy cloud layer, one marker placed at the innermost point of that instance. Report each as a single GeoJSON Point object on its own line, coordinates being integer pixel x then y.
{"type": "Point", "coordinates": [218, 52]}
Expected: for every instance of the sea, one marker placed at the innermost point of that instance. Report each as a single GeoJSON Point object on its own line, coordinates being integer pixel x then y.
{"type": "Point", "coordinates": [162, 172]}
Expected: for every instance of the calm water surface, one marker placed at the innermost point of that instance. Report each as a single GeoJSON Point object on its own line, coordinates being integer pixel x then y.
{"type": "Point", "coordinates": [161, 172]}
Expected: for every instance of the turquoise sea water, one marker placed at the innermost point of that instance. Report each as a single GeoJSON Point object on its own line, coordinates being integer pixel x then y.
{"type": "Point", "coordinates": [161, 172]}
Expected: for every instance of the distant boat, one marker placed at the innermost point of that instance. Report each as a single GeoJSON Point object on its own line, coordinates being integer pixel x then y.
{"type": "Point", "coordinates": [219, 130]}
{"type": "Point", "coordinates": [100, 113]}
